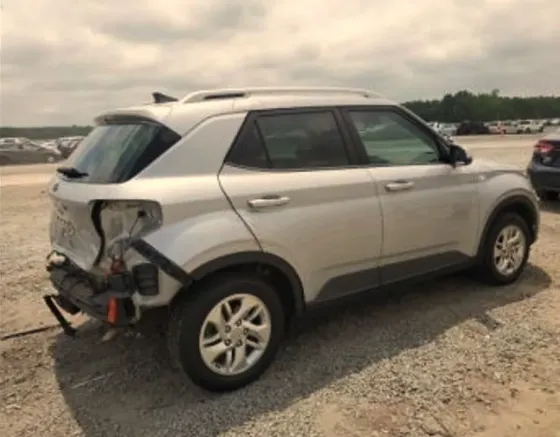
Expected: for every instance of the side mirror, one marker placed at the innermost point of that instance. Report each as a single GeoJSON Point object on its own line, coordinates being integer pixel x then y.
{"type": "Point", "coordinates": [458, 156]}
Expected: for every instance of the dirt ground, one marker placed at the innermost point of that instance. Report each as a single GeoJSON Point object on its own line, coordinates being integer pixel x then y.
{"type": "Point", "coordinates": [449, 358]}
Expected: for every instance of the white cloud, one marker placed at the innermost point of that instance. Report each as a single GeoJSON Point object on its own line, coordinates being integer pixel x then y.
{"type": "Point", "coordinates": [64, 61]}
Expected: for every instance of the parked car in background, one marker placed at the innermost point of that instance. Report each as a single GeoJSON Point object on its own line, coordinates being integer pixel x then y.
{"type": "Point", "coordinates": [205, 211]}
{"type": "Point", "coordinates": [544, 167]}
{"type": "Point", "coordinates": [530, 126]}
{"type": "Point", "coordinates": [472, 128]}
{"type": "Point", "coordinates": [26, 153]}
{"type": "Point", "coordinates": [509, 127]}
{"type": "Point", "coordinates": [67, 145]}
{"type": "Point", "coordinates": [13, 141]}
{"type": "Point", "coordinates": [446, 129]}
{"type": "Point", "coordinates": [494, 127]}
{"type": "Point", "coordinates": [51, 145]}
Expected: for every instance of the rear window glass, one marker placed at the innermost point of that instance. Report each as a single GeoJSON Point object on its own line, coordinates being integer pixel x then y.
{"type": "Point", "coordinates": [114, 153]}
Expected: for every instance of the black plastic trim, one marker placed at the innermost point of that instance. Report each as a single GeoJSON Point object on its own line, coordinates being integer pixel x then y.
{"type": "Point", "coordinates": [77, 291]}
{"type": "Point", "coordinates": [165, 264]}
{"type": "Point", "coordinates": [145, 277]}
{"type": "Point", "coordinates": [250, 257]}
{"type": "Point", "coordinates": [394, 274]}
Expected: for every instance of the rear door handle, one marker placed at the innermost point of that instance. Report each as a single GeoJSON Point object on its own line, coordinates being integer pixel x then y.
{"type": "Point", "coordinates": [399, 186]}
{"type": "Point", "coordinates": [268, 201]}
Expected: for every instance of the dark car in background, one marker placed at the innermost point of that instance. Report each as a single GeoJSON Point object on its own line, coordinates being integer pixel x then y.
{"type": "Point", "coordinates": [544, 167]}
{"type": "Point", "coordinates": [468, 127]}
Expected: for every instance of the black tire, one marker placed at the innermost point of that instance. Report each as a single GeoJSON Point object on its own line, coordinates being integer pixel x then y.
{"type": "Point", "coordinates": [548, 196]}
{"type": "Point", "coordinates": [487, 271]}
{"type": "Point", "coordinates": [189, 313]}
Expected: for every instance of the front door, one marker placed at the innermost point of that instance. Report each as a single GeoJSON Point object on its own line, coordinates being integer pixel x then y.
{"type": "Point", "coordinates": [430, 210]}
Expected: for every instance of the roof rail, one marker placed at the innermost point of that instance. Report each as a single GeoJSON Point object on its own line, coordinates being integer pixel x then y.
{"type": "Point", "coordinates": [229, 93]}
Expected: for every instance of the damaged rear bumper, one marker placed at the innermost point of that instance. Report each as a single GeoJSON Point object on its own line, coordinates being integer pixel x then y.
{"type": "Point", "coordinates": [109, 301]}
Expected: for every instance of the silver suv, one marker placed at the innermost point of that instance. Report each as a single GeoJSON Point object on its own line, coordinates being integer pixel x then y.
{"type": "Point", "coordinates": [239, 210]}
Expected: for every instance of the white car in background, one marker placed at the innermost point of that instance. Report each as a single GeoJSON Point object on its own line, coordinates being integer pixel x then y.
{"type": "Point", "coordinates": [530, 126]}
{"type": "Point", "coordinates": [510, 127]}
{"type": "Point", "coordinates": [494, 127]}
{"type": "Point", "coordinates": [447, 129]}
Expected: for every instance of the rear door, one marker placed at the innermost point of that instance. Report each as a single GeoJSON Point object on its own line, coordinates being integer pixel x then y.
{"type": "Point", "coordinates": [430, 209]}
{"type": "Point", "coordinates": [292, 179]}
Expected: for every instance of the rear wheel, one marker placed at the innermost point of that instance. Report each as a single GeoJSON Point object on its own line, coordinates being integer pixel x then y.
{"type": "Point", "coordinates": [226, 333]}
{"type": "Point", "coordinates": [505, 250]}
{"type": "Point", "coordinates": [548, 196]}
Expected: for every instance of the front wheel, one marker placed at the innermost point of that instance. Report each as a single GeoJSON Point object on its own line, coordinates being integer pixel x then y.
{"type": "Point", "coordinates": [226, 333]}
{"type": "Point", "coordinates": [505, 250]}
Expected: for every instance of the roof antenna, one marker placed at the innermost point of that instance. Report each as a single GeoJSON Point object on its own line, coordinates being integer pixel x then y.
{"type": "Point", "coordinates": [163, 98]}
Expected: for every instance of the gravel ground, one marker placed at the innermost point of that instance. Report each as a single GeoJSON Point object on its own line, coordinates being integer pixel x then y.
{"type": "Point", "coordinates": [448, 358]}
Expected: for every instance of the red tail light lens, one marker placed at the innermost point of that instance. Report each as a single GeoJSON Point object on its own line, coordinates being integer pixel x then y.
{"type": "Point", "coordinates": [542, 147]}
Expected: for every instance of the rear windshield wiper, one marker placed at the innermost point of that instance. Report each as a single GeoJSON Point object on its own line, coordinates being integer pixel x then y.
{"type": "Point", "coordinates": [71, 172]}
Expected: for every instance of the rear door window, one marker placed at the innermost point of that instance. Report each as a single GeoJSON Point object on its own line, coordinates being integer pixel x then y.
{"type": "Point", "coordinates": [115, 153]}
{"type": "Point", "coordinates": [291, 141]}
{"type": "Point", "coordinates": [303, 140]}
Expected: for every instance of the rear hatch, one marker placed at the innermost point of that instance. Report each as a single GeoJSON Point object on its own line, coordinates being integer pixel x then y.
{"type": "Point", "coordinates": [88, 190]}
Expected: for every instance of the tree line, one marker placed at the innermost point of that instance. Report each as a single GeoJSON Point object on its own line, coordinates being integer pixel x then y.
{"type": "Point", "coordinates": [44, 132]}
{"type": "Point", "coordinates": [463, 105]}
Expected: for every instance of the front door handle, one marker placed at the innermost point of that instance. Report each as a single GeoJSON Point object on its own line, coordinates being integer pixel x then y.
{"type": "Point", "coordinates": [399, 186]}
{"type": "Point", "coordinates": [268, 202]}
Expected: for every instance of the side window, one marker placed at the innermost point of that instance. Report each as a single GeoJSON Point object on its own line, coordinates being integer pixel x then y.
{"type": "Point", "coordinates": [249, 150]}
{"type": "Point", "coordinates": [390, 139]}
{"type": "Point", "coordinates": [302, 140]}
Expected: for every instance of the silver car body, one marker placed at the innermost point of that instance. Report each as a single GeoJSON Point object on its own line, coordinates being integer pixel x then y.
{"type": "Point", "coordinates": [335, 230]}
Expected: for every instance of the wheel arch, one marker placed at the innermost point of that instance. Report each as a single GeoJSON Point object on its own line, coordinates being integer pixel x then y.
{"type": "Point", "coordinates": [518, 204]}
{"type": "Point", "coordinates": [270, 266]}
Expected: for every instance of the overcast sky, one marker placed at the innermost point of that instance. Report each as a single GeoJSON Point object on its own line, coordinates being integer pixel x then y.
{"type": "Point", "coordinates": [63, 61]}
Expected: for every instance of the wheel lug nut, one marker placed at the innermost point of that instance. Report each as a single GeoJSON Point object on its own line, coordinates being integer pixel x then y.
{"type": "Point", "coordinates": [245, 331]}
{"type": "Point", "coordinates": [228, 328]}
{"type": "Point", "coordinates": [239, 343]}
{"type": "Point", "coordinates": [238, 323]}
{"type": "Point", "coordinates": [227, 342]}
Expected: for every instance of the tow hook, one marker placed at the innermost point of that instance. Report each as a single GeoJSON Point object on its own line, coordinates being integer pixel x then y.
{"type": "Point", "coordinates": [50, 300]}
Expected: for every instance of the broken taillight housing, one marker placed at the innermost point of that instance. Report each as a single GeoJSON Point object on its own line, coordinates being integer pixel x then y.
{"type": "Point", "coordinates": [543, 148]}
{"type": "Point", "coordinates": [121, 221]}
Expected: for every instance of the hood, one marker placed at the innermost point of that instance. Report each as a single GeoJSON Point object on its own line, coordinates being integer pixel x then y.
{"type": "Point", "coordinates": [488, 165]}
